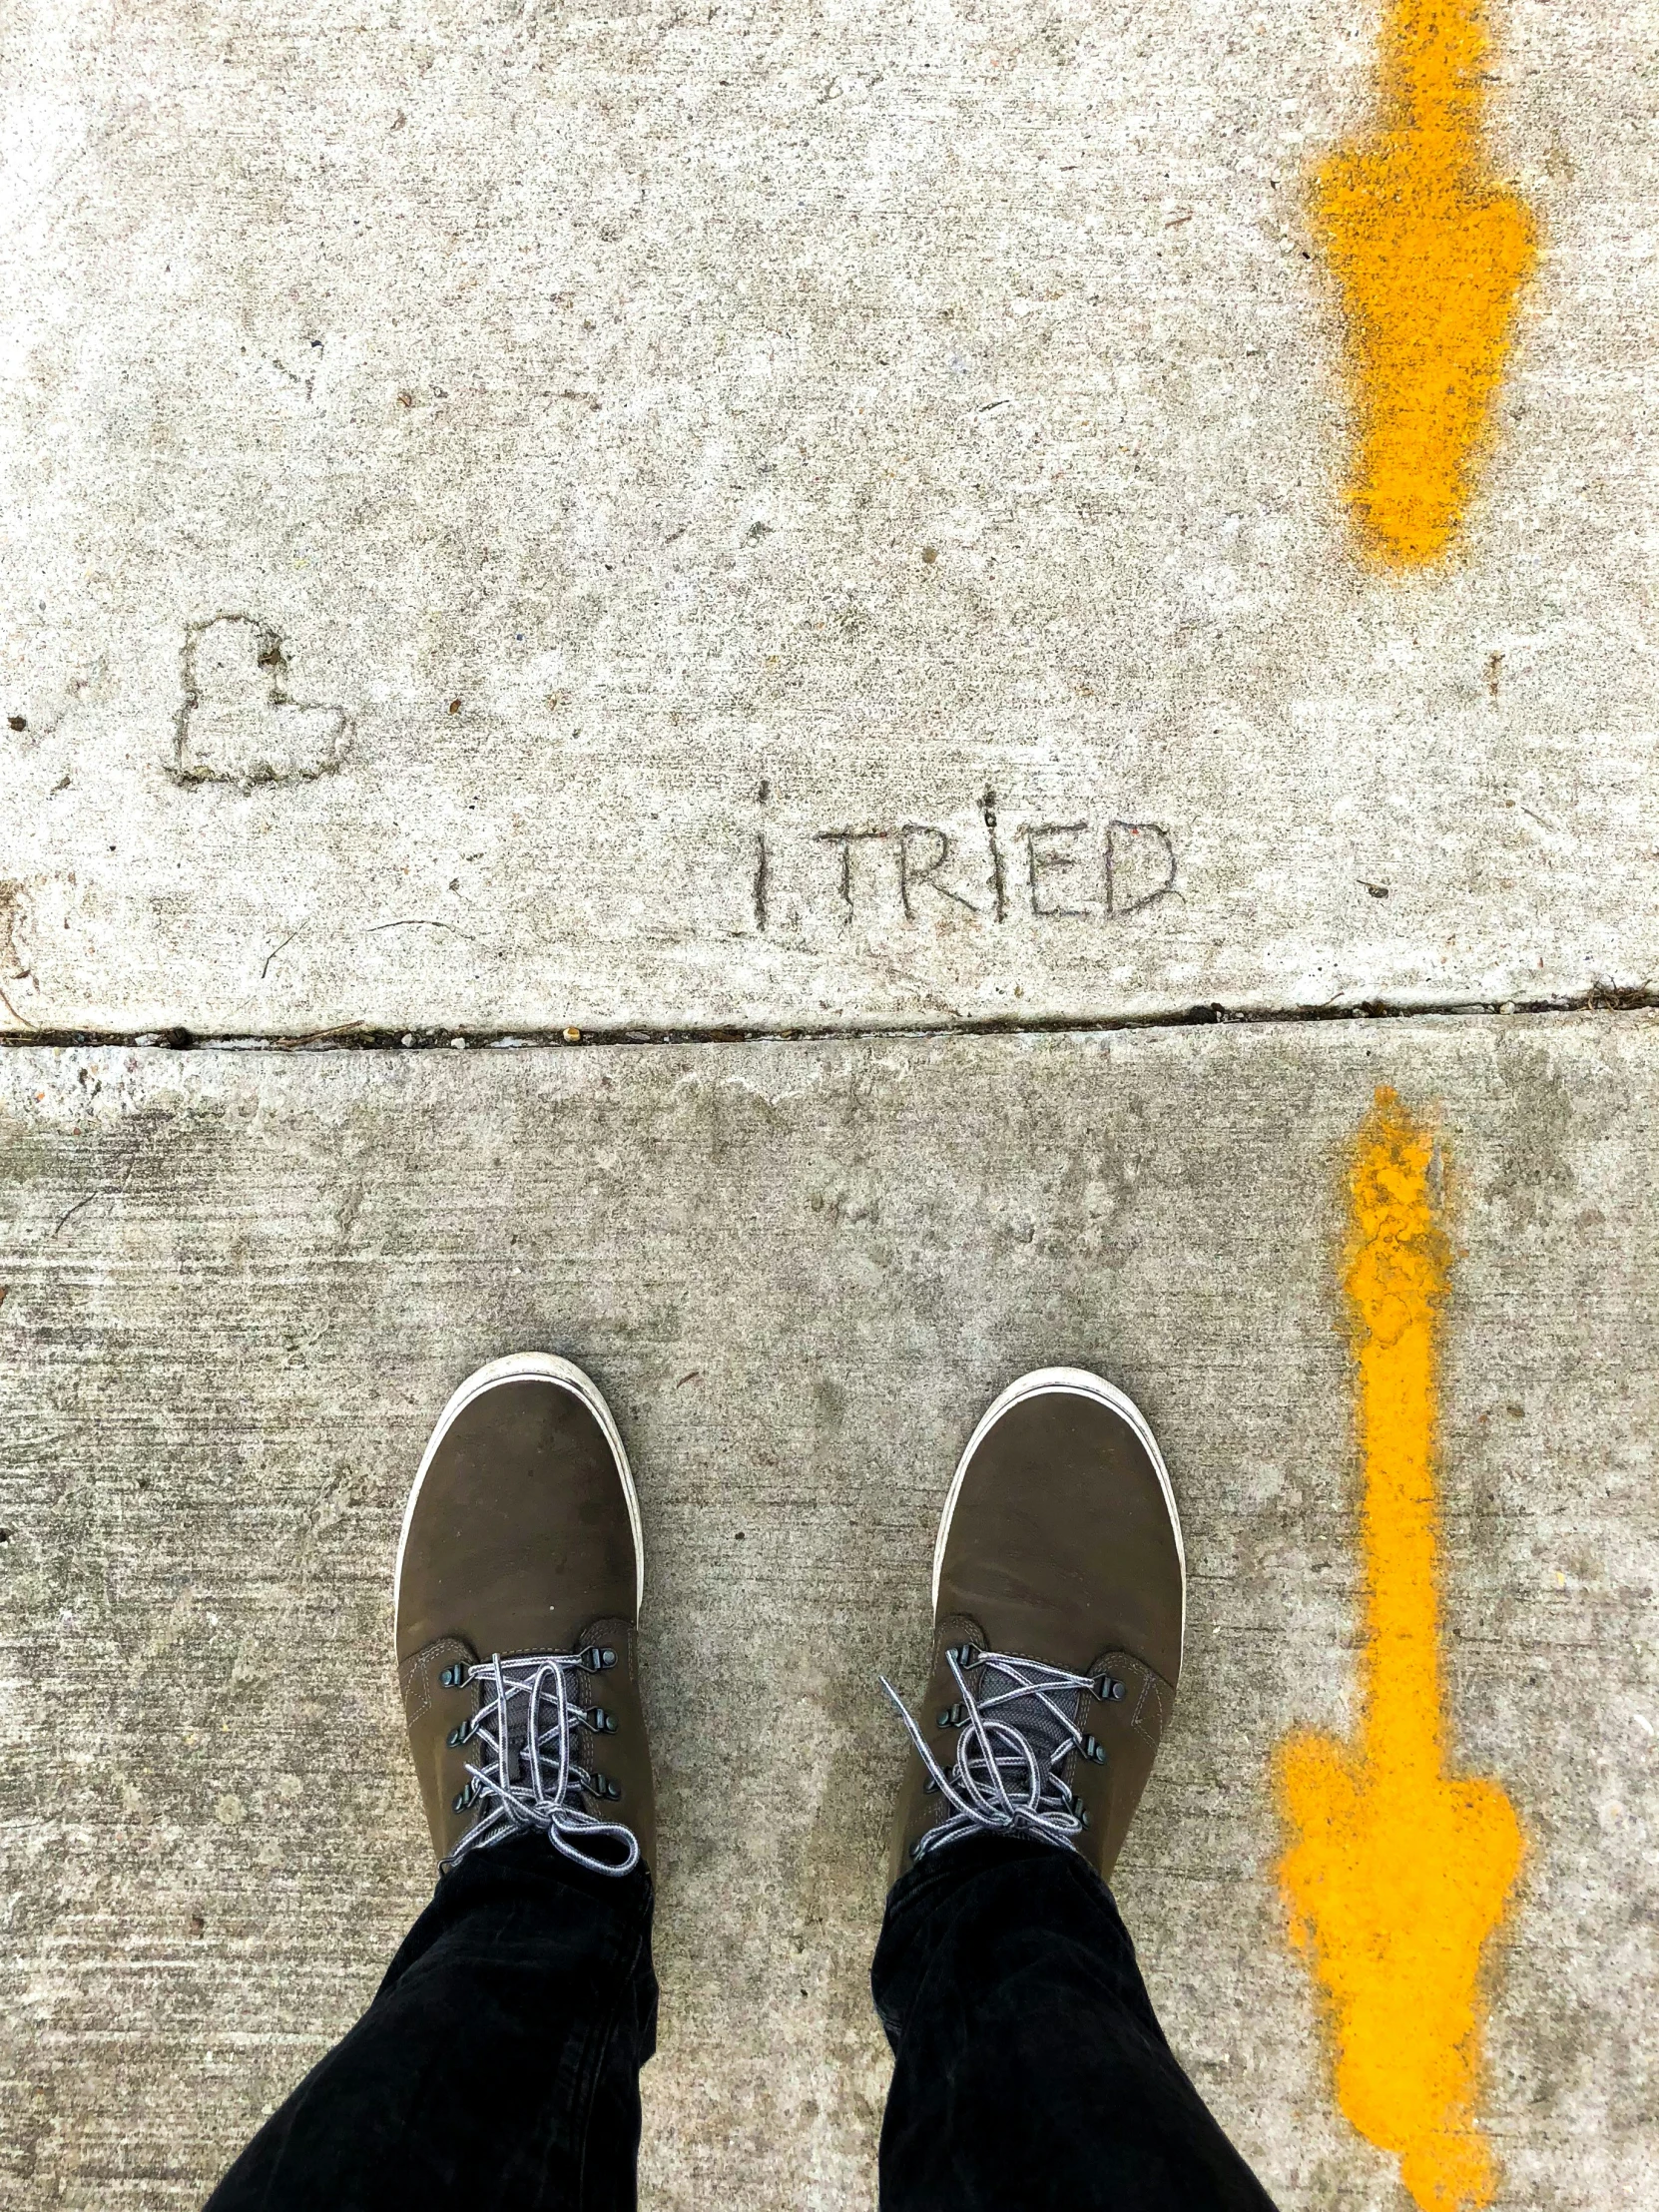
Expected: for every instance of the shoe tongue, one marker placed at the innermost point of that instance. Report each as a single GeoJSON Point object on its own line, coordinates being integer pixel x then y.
{"type": "Point", "coordinates": [1037, 1719]}
{"type": "Point", "coordinates": [517, 1718]}
{"type": "Point", "coordinates": [517, 1724]}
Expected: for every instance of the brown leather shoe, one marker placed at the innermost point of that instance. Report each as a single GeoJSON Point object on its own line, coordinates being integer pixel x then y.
{"type": "Point", "coordinates": [517, 1596]}
{"type": "Point", "coordinates": [1060, 1607]}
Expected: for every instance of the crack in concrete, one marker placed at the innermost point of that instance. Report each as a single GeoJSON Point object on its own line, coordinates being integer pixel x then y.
{"type": "Point", "coordinates": [361, 1036]}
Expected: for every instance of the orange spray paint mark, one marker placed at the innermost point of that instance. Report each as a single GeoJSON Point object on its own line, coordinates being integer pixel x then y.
{"type": "Point", "coordinates": [1430, 255]}
{"type": "Point", "coordinates": [1399, 1874]}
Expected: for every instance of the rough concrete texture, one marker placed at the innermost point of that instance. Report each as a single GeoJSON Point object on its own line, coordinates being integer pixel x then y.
{"type": "Point", "coordinates": [653, 437]}
{"type": "Point", "coordinates": [239, 1286]}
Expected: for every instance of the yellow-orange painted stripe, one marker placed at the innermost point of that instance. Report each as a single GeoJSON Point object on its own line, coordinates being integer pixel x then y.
{"type": "Point", "coordinates": [1399, 1874]}
{"type": "Point", "coordinates": [1429, 256]}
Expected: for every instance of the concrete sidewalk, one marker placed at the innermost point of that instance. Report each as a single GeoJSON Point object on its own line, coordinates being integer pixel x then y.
{"type": "Point", "coordinates": [239, 1286]}
{"type": "Point", "coordinates": [796, 522]}
{"type": "Point", "coordinates": [501, 494]}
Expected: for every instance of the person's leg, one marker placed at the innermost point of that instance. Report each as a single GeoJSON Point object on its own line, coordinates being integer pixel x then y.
{"type": "Point", "coordinates": [1030, 2069]}
{"type": "Point", "coordinates": [499, 2063]}
{"type": "Point", "coordinates": [501, 2055]}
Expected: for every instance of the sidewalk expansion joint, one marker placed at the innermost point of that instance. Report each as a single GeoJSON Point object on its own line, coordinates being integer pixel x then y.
{"type": "Point", "coordinates": [1602, 999]}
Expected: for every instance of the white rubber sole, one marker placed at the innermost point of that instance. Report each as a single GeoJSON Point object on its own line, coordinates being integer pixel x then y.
{"type": "Point", "coordinates": [527, 1366]}
{"type": "Point", "coordinates": [1078, 1381]}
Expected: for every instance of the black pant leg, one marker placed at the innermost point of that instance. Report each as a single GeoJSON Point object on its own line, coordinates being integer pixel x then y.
{"type": "Point", "coordinates": [1030, 2068]}
{"type": "Point", "coordinates": [497, 2065]}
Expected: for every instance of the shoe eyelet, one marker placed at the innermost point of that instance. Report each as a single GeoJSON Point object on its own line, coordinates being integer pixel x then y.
{"type": "Point", "coordinates": [1095, 1751]}
{"type": "Point", "coordinates": [453, 1677]}
{"type": "Point", "coordinates": [456, 1734]}
{"type": "Point", "coordinates": [459, 1803]}
{"type": "Point", "coordinates": [602, 1720]}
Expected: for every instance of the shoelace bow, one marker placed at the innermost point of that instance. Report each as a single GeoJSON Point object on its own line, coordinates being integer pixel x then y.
{"type": "Point", "coordinates": [999, 1780]}
{"type": "Point", "coordinates": [528, 1777]}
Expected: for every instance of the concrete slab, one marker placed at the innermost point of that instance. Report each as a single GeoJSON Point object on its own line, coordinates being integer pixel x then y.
{"type": "Point", "coordinates": [240, 1285]}
{"type": "Point", "coordinates": [501, 496]}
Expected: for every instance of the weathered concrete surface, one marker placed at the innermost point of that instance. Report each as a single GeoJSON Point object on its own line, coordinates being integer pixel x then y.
{"type": "Point", "coordinates": [645, 433]}
{"type": "Point", "coordinates": [239, 1287]}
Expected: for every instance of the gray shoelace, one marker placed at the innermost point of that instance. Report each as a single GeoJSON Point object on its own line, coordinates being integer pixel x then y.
{"type": "Point", "coordinates": [527, 1775]}
{"type": "Point", "coordinates": [1018, 1721]}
